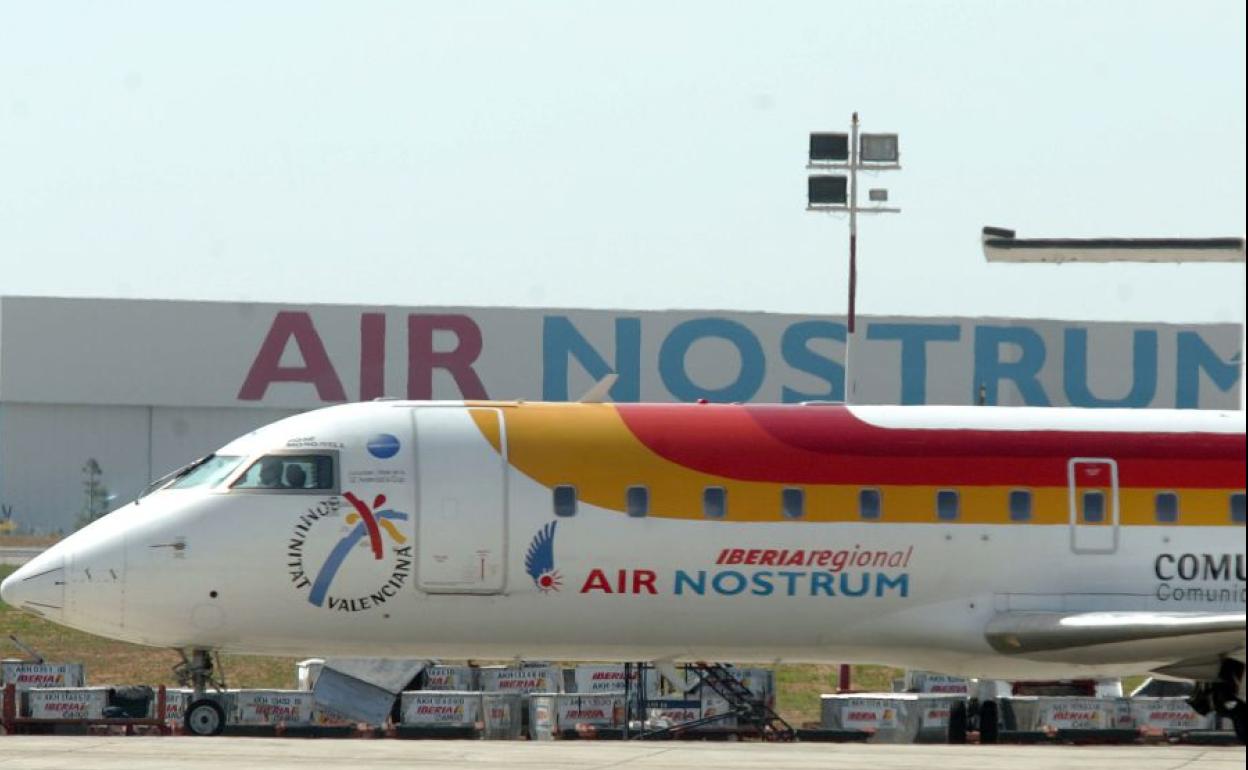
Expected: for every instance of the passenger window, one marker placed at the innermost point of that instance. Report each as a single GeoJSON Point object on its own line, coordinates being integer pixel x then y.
{"type": "Point", "coordinates": [714, 502]}
{"type": "Point", "coordinates": [793, 502]}
{"type": "Point", "coordinates": [312, 473]}
{"type": "Point", "coordinates": [638, 501]}
{"type": "Point", "coordinates": [869, 503]}
{"type": "Point", "coordinates": [1093, 507]}
{"type": "Point", "coordinates": [565, 500]}
{"type": "Point", "coordinates": [1020, 505]}
{"type": "Point", "coordinates": [947, 505]}
{"type": "Point", "coordinates": [1237, 508]}
{"type": "Point", "coordinates": [1166, 507]}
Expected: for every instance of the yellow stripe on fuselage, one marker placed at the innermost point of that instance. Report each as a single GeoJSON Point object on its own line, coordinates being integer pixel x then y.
{"type": "Point", "coordinates": [589, 447]}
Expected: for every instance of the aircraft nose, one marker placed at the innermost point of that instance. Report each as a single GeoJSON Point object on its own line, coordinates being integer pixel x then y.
{"type": "Point", "coordinates": [38, 585]}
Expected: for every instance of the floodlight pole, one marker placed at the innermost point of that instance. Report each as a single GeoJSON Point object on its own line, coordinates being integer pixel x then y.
{"type": "Point", "coordinates": [853, 241]}
{"type": "Point", "coordinates": [853, 163]}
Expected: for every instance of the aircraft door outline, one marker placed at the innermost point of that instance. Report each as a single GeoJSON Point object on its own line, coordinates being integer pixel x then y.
{"type": "Point", "coordinates": [461, 502]}
{"type": "Point", "coordinates": [1094, 504]}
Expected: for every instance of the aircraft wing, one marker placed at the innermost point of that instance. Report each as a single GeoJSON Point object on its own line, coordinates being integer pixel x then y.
{"type": "Point", "coordinates": [1092, 638]}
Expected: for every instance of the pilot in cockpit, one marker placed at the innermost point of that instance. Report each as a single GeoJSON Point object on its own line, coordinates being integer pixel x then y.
{"type": "Point", "coordinates": [296, 477]}
{"type": "Point", "coordinates": [271, 473]}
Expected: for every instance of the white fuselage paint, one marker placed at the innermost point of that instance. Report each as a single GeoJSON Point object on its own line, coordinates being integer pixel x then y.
{"type": "Point", "coordinates": [218, 569]}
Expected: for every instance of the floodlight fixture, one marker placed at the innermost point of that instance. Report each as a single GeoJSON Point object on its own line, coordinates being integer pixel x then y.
{"type": "Point", "coordinates": [829, 147]}
{"type": "Point", "coordinates": [879, 148]}
{"type": "Point", "coordinates": [827, 190]}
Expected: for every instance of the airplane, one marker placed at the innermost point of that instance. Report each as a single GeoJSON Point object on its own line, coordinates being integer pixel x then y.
{"type": "Point", "coordinates": [995, 542]}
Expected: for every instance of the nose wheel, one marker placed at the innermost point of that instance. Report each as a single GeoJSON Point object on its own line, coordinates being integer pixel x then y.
{"type": "Point", "coordinates": [204, 715]}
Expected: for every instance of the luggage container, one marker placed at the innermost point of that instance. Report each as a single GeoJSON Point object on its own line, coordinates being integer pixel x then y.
{"type": "Point", "coordinates": [934, 718]}
{"type": "Point", "coordinates": [668, 713]}
{"type": "Point", "coordinates": [713, 705]}
{"type": "Point", "coordinates": [440, 709]}
{"type": "Point", "coordinates": [1048, 714]}
{"type": "Point", "coordinates": [364, 689]}
{"type": "Point", "coordinates": [886, 717]}
{"type": "Point", "coordinates": [271, 707]}
{"type": "Point", "coordinates": [454, 678]}
{"type": "Point", "coordinates": [561, 715]}
{"type": "Point", "coordinates": [761, 682]}
{"type": "Point", "coordinates": [27, 675]}
{"type": "Point", "coordinates": [1109, 688]}
{"type": "Point", "coordinates": [1170, 716]}
{"type": "Point", "coordinates": [602, 678]}
{"type": "Point", "coordinates": [665, 713]}
{"type": "Point", "coordinates": [175, 705]}
{"type": "Point", "coordinates": [325, 717]}
{"type": "Point", "coordinates": [306, 672]}
{"type": "Point", "coordinates": [521, 679]}
{"type": "Point", "coordinates": [503, 716]}
{"type": "Point", "coordinates": [543, 719]}
{"type": "Point", "coordinates": [601, 710]}
{"type": "Point", "coordinates": [66, 702]}
{"type": "Point", "coordinates": [936, 684]}
{"type": "Point", "coordinates": [663, 681]}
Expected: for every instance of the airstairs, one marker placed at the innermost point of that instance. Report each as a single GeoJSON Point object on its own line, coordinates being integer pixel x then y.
{"type": "Point", "coordinates": [748, 709]}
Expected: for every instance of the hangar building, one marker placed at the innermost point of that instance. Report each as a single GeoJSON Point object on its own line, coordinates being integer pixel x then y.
{"type": "Point", "coordinates": [143, 386]}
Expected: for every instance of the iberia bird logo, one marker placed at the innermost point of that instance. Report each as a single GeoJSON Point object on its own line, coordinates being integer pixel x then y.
{"type": "Point", "coordinates": [539, 562]}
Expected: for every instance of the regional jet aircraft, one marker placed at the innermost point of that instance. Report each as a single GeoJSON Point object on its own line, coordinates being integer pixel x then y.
{"type": "Point", "coordinates": [1008, 543]}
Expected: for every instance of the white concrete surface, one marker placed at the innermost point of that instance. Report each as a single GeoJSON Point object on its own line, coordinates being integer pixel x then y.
{"type": "Point", "coordinates": [149, 753]}
{"type": "Point", "coordinates": [17, 555]}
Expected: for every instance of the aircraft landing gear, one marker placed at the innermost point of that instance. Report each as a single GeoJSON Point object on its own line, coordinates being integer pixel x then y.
{"type": "Point", "coordinates": [204, 715]}
{"type": "Point", "coordinates": [989, 722]}
{"type": "Point", "coordinates": [958, 718]}
{"type": "Point", "coordinates": [1224, 695]}
{"type": "Point", "coordinates": [966, 716]}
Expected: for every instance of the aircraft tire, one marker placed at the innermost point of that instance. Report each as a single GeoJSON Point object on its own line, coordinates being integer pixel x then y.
{"type": "Point", "coordinates": [1239, 718]}
{"type": "Point", "coordinates": [957, 723]}
{"type": "Point", "coordinates": [989, 723]}
{"type": "Point", "coordinates": [204, 717]}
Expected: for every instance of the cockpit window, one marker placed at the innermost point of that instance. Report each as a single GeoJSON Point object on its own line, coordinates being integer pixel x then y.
{"type": "Point", "coordinates": [208, 473]}
{"type": "Point", "coordinates": [289, 472]}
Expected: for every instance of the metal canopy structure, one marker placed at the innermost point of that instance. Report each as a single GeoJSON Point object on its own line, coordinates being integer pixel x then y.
{"type": "Point", "coordinates": [1001, 245]}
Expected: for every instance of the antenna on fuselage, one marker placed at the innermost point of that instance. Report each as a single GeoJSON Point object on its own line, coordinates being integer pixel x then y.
{"type": "Point", "coordinates": [600, 392]}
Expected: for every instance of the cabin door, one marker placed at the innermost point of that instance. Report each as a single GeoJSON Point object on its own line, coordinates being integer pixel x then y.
{"type": "Point", "coordinates": [1093, 490]}
{"type": "Point", "coordinates": [462, 522]}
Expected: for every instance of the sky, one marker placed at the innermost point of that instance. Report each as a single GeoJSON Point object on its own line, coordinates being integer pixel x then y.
{"type": "Point", "coordinates": [641, 155]}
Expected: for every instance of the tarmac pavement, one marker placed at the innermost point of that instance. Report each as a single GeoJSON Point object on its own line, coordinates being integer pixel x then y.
{"type": "Point", "coordinates": [188, 753]}
{"type": "Point", "coordinates": [17, 555]}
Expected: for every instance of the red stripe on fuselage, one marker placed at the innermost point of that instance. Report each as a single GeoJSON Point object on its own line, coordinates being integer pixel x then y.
{"type": "Point", "coordinates": [830, 445]}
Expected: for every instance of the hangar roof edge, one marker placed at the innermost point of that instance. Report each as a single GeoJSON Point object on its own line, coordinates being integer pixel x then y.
{"type": "Point", "coordinates": [20, 298]}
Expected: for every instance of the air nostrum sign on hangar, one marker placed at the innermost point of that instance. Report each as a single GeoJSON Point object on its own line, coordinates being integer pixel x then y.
{"type": "Point", "coordinates": [144, 386]}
